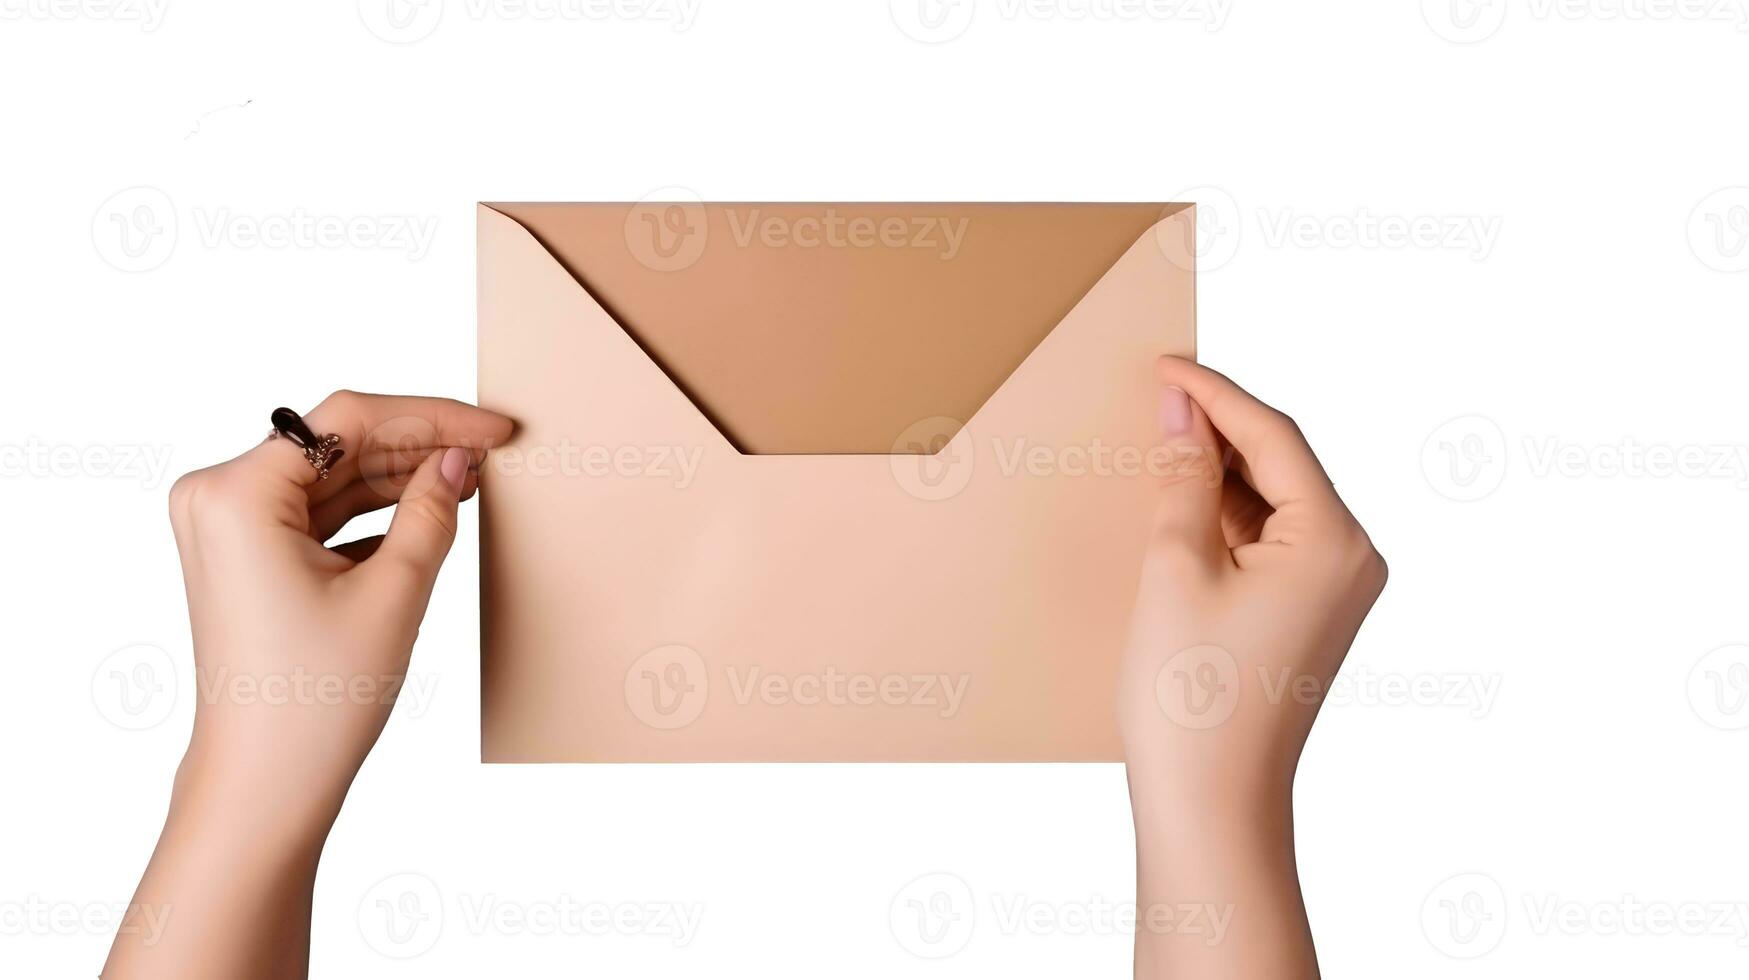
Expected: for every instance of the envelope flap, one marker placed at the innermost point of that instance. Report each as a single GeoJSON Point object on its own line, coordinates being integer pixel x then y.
{"type": "Point", "coordinates": [836, 328]}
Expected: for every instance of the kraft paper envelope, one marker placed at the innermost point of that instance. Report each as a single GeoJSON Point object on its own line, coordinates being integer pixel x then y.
{"type": "Point", "coordinates": [819, 482]}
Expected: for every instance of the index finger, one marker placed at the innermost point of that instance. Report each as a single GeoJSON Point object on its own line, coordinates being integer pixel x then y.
{"type": "Point", "coordinates": [1282, 467]}
{"type": "Point", "coordinates": [373, 424]}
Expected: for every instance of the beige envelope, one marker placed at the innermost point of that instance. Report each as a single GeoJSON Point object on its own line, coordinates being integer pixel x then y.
{"type": "Point", "coordinates": [819, 482]}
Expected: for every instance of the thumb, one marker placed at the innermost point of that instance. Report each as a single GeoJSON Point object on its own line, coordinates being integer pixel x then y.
{"type": "Point", "coordinates": [424, 524]}
{"type": "Point", "coordinates": [1188, 522]}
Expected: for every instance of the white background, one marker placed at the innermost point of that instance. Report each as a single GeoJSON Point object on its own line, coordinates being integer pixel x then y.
{"type": "Point", "coordinates": [1564, 557]}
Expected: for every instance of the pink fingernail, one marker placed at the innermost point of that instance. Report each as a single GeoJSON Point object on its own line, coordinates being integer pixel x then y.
{"type": "Point", "coordinates": [454, 466]}
{"type": "Point", "coordinates": [1174, 411]}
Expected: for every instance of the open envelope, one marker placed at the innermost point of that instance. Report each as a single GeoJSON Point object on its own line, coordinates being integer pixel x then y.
{"type": "Point", "coordinates": [819, 482]}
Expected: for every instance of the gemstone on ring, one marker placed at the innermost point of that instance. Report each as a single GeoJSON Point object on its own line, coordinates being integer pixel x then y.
{"type": "Point", "coordinates": [321, 451]}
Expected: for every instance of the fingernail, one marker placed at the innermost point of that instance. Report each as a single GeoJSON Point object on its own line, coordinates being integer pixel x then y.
{"type": "Point", "coordinates": [1174, 411]}
{"type": "Point", "coordinates": [454, 466]}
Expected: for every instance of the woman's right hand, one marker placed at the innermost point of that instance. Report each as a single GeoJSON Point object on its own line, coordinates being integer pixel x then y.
{"type": "Point", "coordinates": [1252, 589]}
{"type": "Point", "coordinates": [300, 650]}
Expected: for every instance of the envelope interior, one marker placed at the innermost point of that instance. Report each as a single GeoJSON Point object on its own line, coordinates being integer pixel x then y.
{"type": "Point", "coordinates": [837, 328]}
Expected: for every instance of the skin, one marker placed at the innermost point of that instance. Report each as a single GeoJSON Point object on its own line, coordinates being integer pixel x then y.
{"type": "Point", "coordinates": [1260, 561]}
{"type": "Point", "coordinates": [1254, 583]}
{"type": "Point", "coordinates": [263, 779]}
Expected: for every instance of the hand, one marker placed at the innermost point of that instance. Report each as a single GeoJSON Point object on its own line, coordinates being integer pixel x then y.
{"type": "Point", "coordinates": [299, 651]}
{"type": "Point", "coordinates": [1254, 585]}
{"type": "Point", "coordinates": [299, 648]}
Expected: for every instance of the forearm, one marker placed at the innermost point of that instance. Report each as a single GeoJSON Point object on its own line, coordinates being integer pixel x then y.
{"type": "Point", "coordinates": [228, 890]}
{"type": "Point", "coordinates": [1218, 893]}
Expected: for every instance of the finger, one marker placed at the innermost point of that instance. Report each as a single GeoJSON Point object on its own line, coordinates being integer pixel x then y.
{"type": "Point", "coordinates": [395, 452]}
{"type": "Point", "coordinates": [1243, 513]}
{"type": "Point", "coordinates": [370, 425]}
{"type": "Point", "coordinates": [1278, 462]}
{"type": "Point", "coordinates": [1188, 520]}
{"type": "Point", "coordinates": [365, 496]}
{"type": "Point", "coordinates": [360, 550]}
{"type": "Point", "coordinates": [423, 528]}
